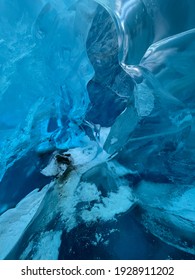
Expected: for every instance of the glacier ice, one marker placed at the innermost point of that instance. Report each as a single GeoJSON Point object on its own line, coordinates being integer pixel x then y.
{"type": "Point", "coordinates": [98, 97]}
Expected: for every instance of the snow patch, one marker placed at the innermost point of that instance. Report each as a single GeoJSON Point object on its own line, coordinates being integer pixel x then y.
{"type": "Point", "coordinates": [84, 155]}
{"type": "Point", "coordinates": [114, 204]}
{"type": "Point", "coordinates": [88, 192]}
{"type": "Point", "coordinates": [52, 169]}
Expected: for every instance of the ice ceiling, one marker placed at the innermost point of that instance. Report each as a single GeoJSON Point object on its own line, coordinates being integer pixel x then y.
{"type": "Point", "coordinates": [98, 97]}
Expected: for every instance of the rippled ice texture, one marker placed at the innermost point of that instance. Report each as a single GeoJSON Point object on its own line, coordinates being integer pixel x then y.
{"type": "Point", "coordinates": [108, 85]}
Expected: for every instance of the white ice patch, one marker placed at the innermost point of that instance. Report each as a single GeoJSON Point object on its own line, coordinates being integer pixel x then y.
{"type": "Point", "coordinates": [54, 168]}
{"type": "Point", "coordinates": [109, 207]}
{"type": "Point", "coordinates": [68, 202]}
{"type": "Point", "coordinates": [104, 208]}
{"type": "Point", "coordinates": [113, 140]}
{"type": "Point", "coordinates": [144, 100]}
{"type": "Point", "coordinates": [74, 193]}
{"type": "Point", "coordinates": [47, 247]}
{"type": "Point", "coordinates": [51, 169]}
{"type": "Point", "coordinates": [78, 156]}
{"type": "Point", "coordinates": [84, 155]}
{"type": "Point", "coordinates": [88, 192]}
{"type": "Point", "coordinates": [14, 221]}
{"type": "Point", "coordinates": [104, 132]}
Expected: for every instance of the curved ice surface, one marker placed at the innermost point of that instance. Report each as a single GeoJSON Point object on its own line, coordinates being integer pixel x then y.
{"type": "Point", "coordinates": [44, 73]}
{"type": "Point", "coordinates": [101, 94]}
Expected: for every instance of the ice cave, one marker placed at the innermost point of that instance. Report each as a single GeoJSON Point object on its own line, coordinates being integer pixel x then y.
{"type": "Point", "coordinates": [97, 126]}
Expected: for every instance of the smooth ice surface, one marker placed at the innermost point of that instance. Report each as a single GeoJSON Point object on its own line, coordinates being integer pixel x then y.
{"type": "Point", "coordinates": [99, 96]}
{"type": "Point", "coordinates": [170, 214]}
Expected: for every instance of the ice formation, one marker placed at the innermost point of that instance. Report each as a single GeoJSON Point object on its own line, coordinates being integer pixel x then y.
{"type": "Point", "coordinates": [97, 115]}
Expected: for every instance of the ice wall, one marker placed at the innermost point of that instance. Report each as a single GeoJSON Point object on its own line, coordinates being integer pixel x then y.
{"type": "Point", "coordinates": [44, 73]}
{"type": "Point", "coordinates": [116, 76]}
